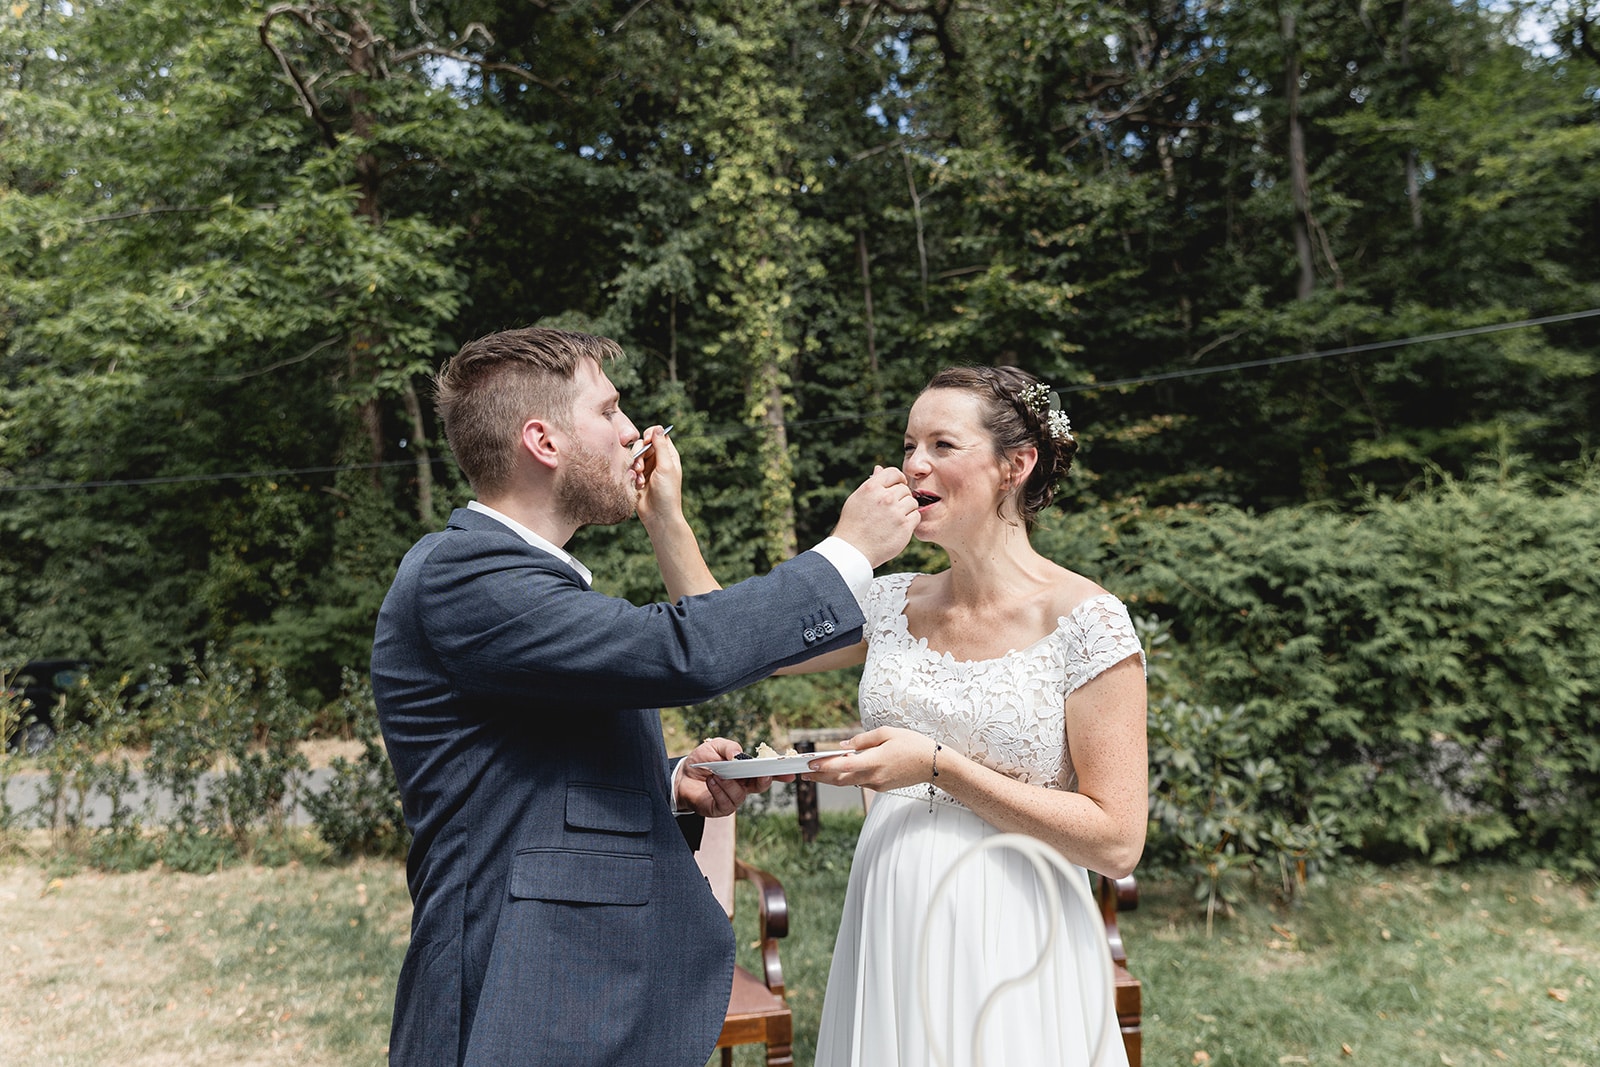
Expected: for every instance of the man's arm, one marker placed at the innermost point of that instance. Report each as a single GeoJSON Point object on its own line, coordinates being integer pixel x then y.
{"type": "Point", "coordinates": [874, 526]}
{"type": "Point", "coordinates": [505, 619]}
{"type": "Point", "coordinates": [683, 567]}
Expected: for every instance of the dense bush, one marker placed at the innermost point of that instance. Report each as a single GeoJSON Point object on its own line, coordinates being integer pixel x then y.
{"type": "Point", "coordinates": [196, 771]}
{"type": "Point", "coordinates": [1215, 808]}
{"type": "Point", "coordinates": [1426, 667]}
{"type": "Point", "coordinates": [357, 811]}
{"type": "Point", "coordinates": [224, 746]}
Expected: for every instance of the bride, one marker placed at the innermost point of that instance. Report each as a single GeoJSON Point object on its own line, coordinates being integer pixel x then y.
{"type": "Point", "coordinates": [1003, 695]}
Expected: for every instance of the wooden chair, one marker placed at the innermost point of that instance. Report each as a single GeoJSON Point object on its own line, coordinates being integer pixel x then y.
{"type": "Point", "coordinates": [758, 1014]}
{"type": "Point", "coordinates": [1114, 895]}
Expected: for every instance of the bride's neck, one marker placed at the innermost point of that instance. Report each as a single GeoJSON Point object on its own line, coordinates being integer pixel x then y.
{"type": "Point", "coordinates": [1001, 568]}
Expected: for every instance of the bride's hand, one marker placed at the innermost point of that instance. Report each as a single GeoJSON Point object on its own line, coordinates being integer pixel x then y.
{"type": "Point", "coordinates": [886, 758]}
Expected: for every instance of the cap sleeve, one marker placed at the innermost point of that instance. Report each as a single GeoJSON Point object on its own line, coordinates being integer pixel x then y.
{"type": "Point", "coordinates": [1097, 636]}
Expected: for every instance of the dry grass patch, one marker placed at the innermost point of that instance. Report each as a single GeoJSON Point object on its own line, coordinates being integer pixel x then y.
{"type": "Point", "coordinates": [248, 965]}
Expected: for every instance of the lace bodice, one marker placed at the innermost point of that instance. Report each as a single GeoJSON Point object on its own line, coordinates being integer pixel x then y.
{"type": "Point", "coordinates": [1006, 713]}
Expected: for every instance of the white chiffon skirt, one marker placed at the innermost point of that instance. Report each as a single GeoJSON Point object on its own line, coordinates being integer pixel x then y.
{"type": "Point", "coordinates": [990, 925]}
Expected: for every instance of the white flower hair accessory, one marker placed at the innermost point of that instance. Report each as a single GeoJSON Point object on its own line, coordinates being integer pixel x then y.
{"type": "Point", "coordinates": [1045, 402]}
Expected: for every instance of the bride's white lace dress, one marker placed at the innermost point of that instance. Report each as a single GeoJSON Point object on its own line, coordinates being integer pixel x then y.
{"type": "Point", "coordinates": [1007, 714]}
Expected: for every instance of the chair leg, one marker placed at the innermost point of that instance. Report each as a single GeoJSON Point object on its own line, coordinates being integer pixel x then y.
{"type": "Point", "coordinates": [780, 1056]}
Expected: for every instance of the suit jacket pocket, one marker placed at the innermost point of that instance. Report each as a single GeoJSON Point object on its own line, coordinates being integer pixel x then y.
{"type": "Point", "coordinates": [577, 877]}
{"type": "Point", "coordinates": [608, 808]}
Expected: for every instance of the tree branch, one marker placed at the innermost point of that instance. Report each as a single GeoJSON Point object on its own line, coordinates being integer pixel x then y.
{"type": "Point", "coordinates": [302, 89]}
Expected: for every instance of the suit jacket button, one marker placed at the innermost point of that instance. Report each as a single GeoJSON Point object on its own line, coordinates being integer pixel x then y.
{"type": "Point", "coordinates": [811, 635]}
{"type": "Point", "coordinates": [827, 627]}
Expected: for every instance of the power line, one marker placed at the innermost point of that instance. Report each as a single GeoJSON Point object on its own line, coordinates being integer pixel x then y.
{"type": "Point", "coordinates": [737, 431]}
{"type": "Point", "coordinates": [1372, 346]}
{"type": "Point", "coordinates": [224, 476]}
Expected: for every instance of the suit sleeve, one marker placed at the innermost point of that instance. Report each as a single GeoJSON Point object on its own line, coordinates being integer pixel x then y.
{"type": "Point", "coordinates": [505, 619]}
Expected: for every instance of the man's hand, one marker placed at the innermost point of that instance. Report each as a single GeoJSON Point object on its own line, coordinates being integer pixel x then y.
{"type": "Point", "coordinates": [658, 476]}
{"type": "Point", "coordinates": [880, 516]}
{"type": "Point", "coordinates": [709, 795]}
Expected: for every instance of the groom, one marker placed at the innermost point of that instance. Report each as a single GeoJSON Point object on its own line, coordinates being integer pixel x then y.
{"type": "Point", "coordinates": [559, 917]}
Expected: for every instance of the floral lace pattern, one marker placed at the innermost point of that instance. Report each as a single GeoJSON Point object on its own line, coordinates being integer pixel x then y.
{"type": "Point", "coordinates": [1006, 713]}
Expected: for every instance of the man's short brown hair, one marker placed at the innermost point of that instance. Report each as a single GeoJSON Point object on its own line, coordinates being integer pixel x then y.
{"type": "Point", "coordinates": [486, 393]}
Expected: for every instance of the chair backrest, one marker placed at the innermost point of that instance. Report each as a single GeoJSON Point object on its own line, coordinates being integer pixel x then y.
{"type": "Point", "coordinates": [715, 858]}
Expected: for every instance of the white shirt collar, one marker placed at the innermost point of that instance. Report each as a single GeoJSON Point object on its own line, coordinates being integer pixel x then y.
{"type": "Point", "coordinates": [535, 540]}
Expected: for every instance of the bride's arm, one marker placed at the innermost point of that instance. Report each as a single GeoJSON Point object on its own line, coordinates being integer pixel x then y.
{"type": "Point", "coordinates": [1101, 826]}
{"type": "Point", "coordinates": [852, 656]}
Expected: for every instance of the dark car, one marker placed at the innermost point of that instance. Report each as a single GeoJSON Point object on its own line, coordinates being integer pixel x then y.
{"type": "Point", "coordinates": [43, 694]}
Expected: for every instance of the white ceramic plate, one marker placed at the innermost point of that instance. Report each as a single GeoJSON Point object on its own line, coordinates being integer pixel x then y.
{"type": "Point", "coordinates": [762, 768]}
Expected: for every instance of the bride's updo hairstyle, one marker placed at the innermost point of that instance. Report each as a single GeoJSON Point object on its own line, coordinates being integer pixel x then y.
{"type": "Point", "coordinates": [1017, 413]}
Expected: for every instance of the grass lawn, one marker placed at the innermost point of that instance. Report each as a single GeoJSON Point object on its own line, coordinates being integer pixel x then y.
{"type": "Point", "coordinates": [248, 966]}
{"type": "Point", "coordinates": [296, 965]}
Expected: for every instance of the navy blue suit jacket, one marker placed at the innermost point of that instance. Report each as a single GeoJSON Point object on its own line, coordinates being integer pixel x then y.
{"type": "Point", "coordinates": [559, 917]}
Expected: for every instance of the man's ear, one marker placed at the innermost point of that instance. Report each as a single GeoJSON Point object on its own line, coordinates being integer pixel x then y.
{"type": "Point", "coordinates": [539, 441]}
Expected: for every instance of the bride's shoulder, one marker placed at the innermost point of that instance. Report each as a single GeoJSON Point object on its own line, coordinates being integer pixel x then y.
{"type": "Point", "coordinates": [1072, 592]}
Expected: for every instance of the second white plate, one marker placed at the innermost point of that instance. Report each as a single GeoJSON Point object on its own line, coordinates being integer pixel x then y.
{"type": "Point", "coordinates": [762, 768]}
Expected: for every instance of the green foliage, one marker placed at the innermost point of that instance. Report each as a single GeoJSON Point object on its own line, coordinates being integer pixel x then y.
{"type": "Point", "coordinates": [357, 812]}
{"type": "Point", "coordinates": [313, 638]}
{"type": "Point", "coordinates": [1424, 668]}
{"type": "Point", "coordinates": [1215, 807]}
{"type": "Point", "coordinates": [224, 749]}
{"type": "Point", "coordinates": [234, 244]}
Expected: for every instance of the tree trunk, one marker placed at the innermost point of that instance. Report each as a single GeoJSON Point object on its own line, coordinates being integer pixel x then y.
{"type": "Point", "coordinates": [1413, 184]}
{"type": "Point", "coordinates": [1299, 171]}
{"type": "Point", "coordinates": [779, 501]}
{"type": "Point", "coordinates": [422, 455]}
{"type": "Point", "coordinates": [864, 261]}
{"type": "Point", "coordinates": [672, 339]}
{"type": "Point", "coordinates": [363, 342]}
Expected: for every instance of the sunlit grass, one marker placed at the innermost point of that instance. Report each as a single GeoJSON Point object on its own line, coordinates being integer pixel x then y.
{"type": "Point", "coordinates": [248, 965]}
{"type": "Point", "coordinates": [296, 965]}
{"type": "Point", "coordinates": [1410, 966]}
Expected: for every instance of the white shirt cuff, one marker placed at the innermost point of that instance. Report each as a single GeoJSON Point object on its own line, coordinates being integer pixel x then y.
{"type": "Point", "coordinates": [677, 773]}
{"type": "Point", "coordinates": [852, 565]}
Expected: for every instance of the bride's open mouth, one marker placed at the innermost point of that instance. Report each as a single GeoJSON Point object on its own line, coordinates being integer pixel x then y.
{"type": "Point", "coordinates": [924, 499]}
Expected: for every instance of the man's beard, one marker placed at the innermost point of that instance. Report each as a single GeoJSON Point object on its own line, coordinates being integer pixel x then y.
{"type": "Point", "coordinates": [589, 493]}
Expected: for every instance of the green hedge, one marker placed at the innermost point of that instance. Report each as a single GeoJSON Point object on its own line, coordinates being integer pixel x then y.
{"type": "Point", "coordinates": [1425, 668]}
